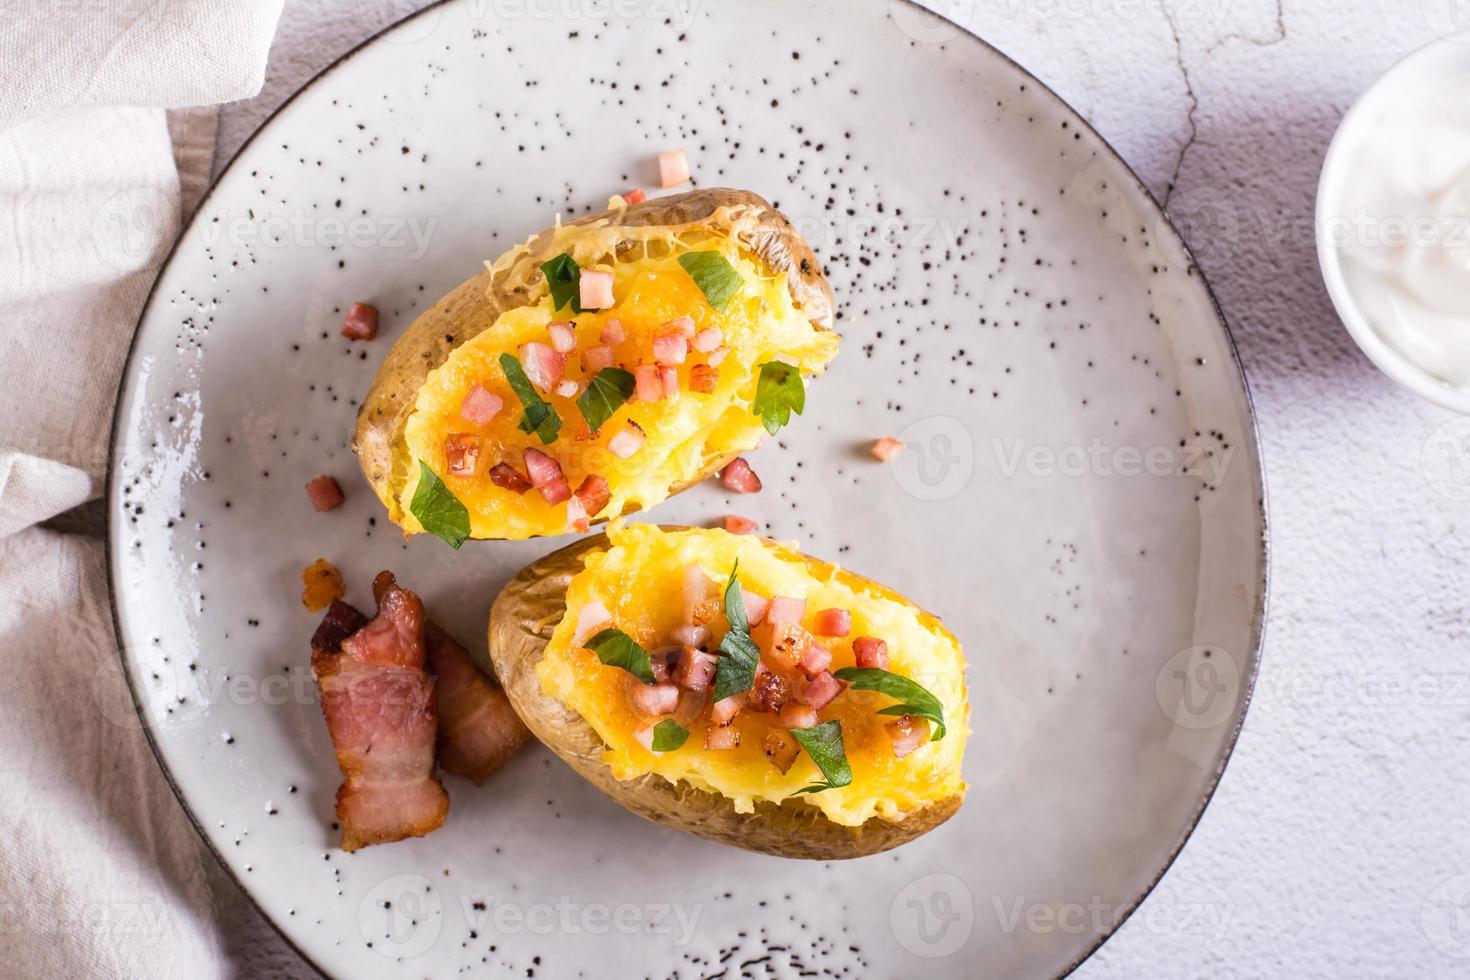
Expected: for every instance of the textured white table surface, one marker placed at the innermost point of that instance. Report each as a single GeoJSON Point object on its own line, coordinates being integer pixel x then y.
{"type": "Point", "coordinates": [1335, 843]}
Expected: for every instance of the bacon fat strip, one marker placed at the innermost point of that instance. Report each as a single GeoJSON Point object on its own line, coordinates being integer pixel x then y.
{"type": "Point", "coordinates": [478, 729]}
{"type": "Point", "coordinates": [379, 705]}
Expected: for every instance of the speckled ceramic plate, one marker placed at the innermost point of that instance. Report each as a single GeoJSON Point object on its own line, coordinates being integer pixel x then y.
{"type": "Point", "coordinates": [1080, 498]}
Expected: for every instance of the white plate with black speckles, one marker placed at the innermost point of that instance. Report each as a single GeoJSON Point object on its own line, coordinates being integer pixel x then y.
{"type": "Point", "coordinates": [1081, 499]}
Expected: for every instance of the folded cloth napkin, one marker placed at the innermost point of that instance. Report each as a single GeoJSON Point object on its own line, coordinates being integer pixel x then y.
{"type": "Point", "coordinates": [100, 872]}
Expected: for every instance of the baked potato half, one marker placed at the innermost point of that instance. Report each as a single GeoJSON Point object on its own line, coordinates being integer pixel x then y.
{"type": "Point", "coordinates": [847, 724]}
{"type": "Point", "coordinates": [598, 368]}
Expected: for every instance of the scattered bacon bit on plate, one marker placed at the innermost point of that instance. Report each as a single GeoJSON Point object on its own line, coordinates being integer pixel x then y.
{"type": "Point", "coordinates": [885, 449]}
{"type": "Point", "coordinates": [673, 168]}
{"type": "Point", "coordinates": [361, 322]}
{"type": "Point", "coordinates": [480, 405]}
{"type": "Point", "coordinates": [321, 584]}
{"type": "Point", "coordinates": [635, 196]}
{"type": "Point", "coordinates": [736, 524]}
{"type": "Point", "coordinates": [596, 289]}
{"type": "Point", "coordinates": [738, 477]}
{"type": "Point", "coordinates": [325, 493]}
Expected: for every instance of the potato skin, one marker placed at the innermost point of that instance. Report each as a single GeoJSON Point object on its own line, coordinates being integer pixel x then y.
{"type": "Point", "coordinates": [475, 304]}
{"type": "Point", "coordinates": [522, 620]}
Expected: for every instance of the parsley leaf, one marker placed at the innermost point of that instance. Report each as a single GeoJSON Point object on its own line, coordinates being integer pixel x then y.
{"type": "Point", "coordinates": [735, 671]}
{"type": "Point", "coordinates": [537, 416]}
{"type": "Point", "coordinates": [914, 699]}
{"type": "Point", "coordinates": [714, 275]}
{"type": "Point", "coordinates": [778, 393]}
{"type": "Point", "coordinates": [824, 744]}
{"type": "Point", "coordinates": [564, 279]}
{"type": "Point", "coordinates": [437, 508]}
{"type": "Point", "coordinates": [617, 649]}
{"type": "Point", "coordinates": [607, 392]}
{"type": "Point", "coordinates": [669, 735]}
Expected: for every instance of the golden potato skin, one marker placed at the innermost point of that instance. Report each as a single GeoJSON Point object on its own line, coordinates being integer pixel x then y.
{"type": "Point", "coordinates": [522, 620]}
{"type": "Point", "coordinates": [475, 304]}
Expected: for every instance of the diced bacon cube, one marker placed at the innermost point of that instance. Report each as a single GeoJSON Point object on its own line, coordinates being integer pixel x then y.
{"type": "Point", "coordinates": [628, 441]}
{"type": "Point", "coordinates": [543, 365]}
{"type": "Point", "coordinates": [653, 699]}
{"type": "Point", "coordinates": [885, 449]}
{"type": "Point", "coordinates": [649, 387]}
{"type": "Point", "coordinates": [670, 348]}
{"type": "Point", "coordinates": [708, 340]}
{"type": "Point", "coordinates": [703, 379]}
{"type": "Point", "coordinates": [596, 289]}
{"type": "Point", "coordinates": [594, 494]}
{"type": "Point", "coordinates": [696, 669]}
{"type": "Point", "coordinates": [821, 690]}
{"type": "Point", "coordinates": [756, 606]}
{"type": "Point", "coordinates": [577, 516]}
{"type": "Point", "coordinates": [361, 322]}
{"type": "Point", "coordinates": [737, 476]}
{"type": "Point", "coordinates": [718, 737]}
{"type": "Point", "coordinates": [739, 525]}
{"type": "Point", "coordinates": [668, 378]}
{"type": "Point", "coordinates": [325, 493]}
{"type": "Point", "coordinates": [612, 331]}
{"type": "Point", "coordinates": [594, 359]}
{"type": "Point", "coordinates": [507, 477]}
{"type": "Point", "coordinates": [563, 337]}
{"type": "Point", "coordinates": [796, 715]}
{"type": "Point", "coordinates": [462, 453]}
{"type": "Point", "coordinates": [724, 711]}
{"type": "Point", "coordinates": [785, 609]}
{"type": "Point", "coordinates": [869, 651]}
{"type": "Point", "coordinates": [907, 733]}
{"type": "Point", "coordinates": [717, 355]}
{"type": "Point", "coordinates": [480, 405]}
{"type": "Point", "coordinates": [816, 659]}
{"type": "Point", "coordinates": [569, 388]}
{"type": "Point", "coordinates": [833, 622]}
{"type": "Point", "coordinates": [635, 196]}
{"type": "Point", "coordinates": [673, 168]}
{"type": "Point", "coordinates": [684, 326]}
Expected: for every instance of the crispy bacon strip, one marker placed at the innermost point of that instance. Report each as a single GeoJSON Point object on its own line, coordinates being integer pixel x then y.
{"type": "Point", "coordinates": [478, 729]}
{"type": "Point", "coordinates": [379, 705]}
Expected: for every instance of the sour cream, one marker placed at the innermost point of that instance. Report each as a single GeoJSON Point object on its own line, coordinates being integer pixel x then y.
{"type": "Point", "coordinates": [1401, 223]}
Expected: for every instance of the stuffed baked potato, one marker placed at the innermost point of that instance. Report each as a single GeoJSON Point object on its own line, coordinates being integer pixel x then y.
{"type": "Point", "coordinates": [598, 368]}
{"type": "Point", "coordinates": [731, 687]}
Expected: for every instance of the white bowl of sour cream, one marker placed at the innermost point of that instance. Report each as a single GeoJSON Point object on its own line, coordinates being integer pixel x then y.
{"type": "Point", "coordinates": [1393, 222]}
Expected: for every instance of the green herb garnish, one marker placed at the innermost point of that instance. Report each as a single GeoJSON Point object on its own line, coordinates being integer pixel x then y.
{"type": "Point", "coordinates": [617, 649]}
{"type": "Point", "coordinates": [537, 415]}
{"type": "Point", "coordinates": [713, 274]}
{"type": "Point", "coordinates": [609, 390]}
{"type": "Point", "coordinates": [440, 512]}
{"type": "Point", "coordinates": [669, 735]}
{"type": "Point", "coordinates": [824, 744]}
{"type": "Point", "coordinates": [735, 671]}
{"type": "Point", "coordinates": [914, 699]}
{"type": "Point", "coordinates": [778, 393]}
{"type": "Point", "coordinates": [564, 278]}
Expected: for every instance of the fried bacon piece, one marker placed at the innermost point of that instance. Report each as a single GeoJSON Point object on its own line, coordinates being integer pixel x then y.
{"type": "Point", "coordinates": [379, 705]}
{"type": "Point", "coordinates": [478, 729]}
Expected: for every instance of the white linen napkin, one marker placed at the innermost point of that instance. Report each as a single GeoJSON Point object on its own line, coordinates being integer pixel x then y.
{"type": "Point", "coordinates": [100, 872]}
